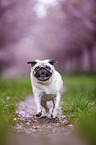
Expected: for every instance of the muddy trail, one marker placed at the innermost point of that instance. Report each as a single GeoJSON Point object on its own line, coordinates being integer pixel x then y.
{"type": "Point", "coordinates": [32, 130]}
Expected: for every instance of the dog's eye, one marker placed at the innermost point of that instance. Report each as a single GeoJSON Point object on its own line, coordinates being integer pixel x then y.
{"type": "Point", "coordinates": [48, 67]}
{"type": "Point", "coordinates": [36, 68]}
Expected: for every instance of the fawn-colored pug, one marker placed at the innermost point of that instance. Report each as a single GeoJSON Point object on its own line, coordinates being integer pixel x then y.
{"type": "Point", "coordinates": [47, 85]}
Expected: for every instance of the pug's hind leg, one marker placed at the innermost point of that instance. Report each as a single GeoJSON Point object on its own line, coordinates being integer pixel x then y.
{"type": "Point", "coordinates": [44, 105]}
{"type": "Point", "coordinates": [53, 106]}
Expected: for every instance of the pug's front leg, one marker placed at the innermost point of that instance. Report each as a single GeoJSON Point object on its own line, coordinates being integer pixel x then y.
{"type": "Point", "coordinates": [56, 105]}
{"type": "Point", "coordinates": [37, 104]}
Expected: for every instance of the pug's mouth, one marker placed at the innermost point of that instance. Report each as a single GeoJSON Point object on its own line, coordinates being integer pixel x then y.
{"type": "Point", "coordinates": [43, 74]}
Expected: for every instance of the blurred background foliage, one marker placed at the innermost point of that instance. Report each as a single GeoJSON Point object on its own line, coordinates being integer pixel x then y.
{"type": "Point", "coordinates": [60, 29]}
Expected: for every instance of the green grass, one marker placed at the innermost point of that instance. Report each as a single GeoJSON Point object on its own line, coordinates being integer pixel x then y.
{"type": "Point", "coordinates": [80, 103]}
{"type": "Point", "coordinates": [14, 89]}
{"type": "Point", "coordinates": [17, 89]}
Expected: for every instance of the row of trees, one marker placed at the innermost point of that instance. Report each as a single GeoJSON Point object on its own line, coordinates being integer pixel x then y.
{"type": "Point", "coordinates": [16, 18]}
{"type": "Point", "coordinates": [67, 33]}
{"type": "Point", "coordinates": [79, 45]}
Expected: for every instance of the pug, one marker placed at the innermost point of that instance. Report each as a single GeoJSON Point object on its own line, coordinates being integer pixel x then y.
{"type": "Point", "coordinates": [47, 85]}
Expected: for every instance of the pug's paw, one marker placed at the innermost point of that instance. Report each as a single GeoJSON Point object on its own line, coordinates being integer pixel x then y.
{"type": "Point", "coordinates": [39, 114]}
{"type": "Point", "coordinates": [44, 117]}
{"type": "Point", "coordinates": [54, 117]}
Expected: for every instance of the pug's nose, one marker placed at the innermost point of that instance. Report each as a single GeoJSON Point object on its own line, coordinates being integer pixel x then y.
{"type": "Point", "coordinates": [42, 71]}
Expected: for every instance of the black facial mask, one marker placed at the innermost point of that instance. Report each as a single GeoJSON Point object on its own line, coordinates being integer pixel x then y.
{"type": "Point", "coordinates": [42, 73]}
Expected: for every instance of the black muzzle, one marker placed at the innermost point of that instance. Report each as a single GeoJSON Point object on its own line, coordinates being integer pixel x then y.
{"type": "Point", "coordinates": [42, 73]}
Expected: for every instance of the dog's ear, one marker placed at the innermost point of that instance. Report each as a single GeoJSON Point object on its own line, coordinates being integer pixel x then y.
{"type": "Point", "coordinates": [52, 61]}
{"type": "Point", "coordinates": [32, 63]}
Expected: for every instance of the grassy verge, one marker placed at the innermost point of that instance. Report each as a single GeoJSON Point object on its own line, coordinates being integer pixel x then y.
{"type": "Point", "coordinates": [11, 91]}
{"type": "Point", "coordinates": [80, 103]}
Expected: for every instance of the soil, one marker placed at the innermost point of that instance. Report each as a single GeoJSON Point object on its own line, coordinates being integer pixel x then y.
{"type": "Point", "coordinates": [32, 130]}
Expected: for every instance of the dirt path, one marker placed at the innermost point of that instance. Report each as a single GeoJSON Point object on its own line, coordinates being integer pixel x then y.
{"type": "Point", "coordinates": [31, 130]}
{"type": "Point", "coordinates": [27, 121]}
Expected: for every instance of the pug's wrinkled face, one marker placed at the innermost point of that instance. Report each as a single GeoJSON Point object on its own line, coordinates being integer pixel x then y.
{"type": "Point", "coordinates": [42, 73]}
{"type": "Point", "coordinates": [42, 70]}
